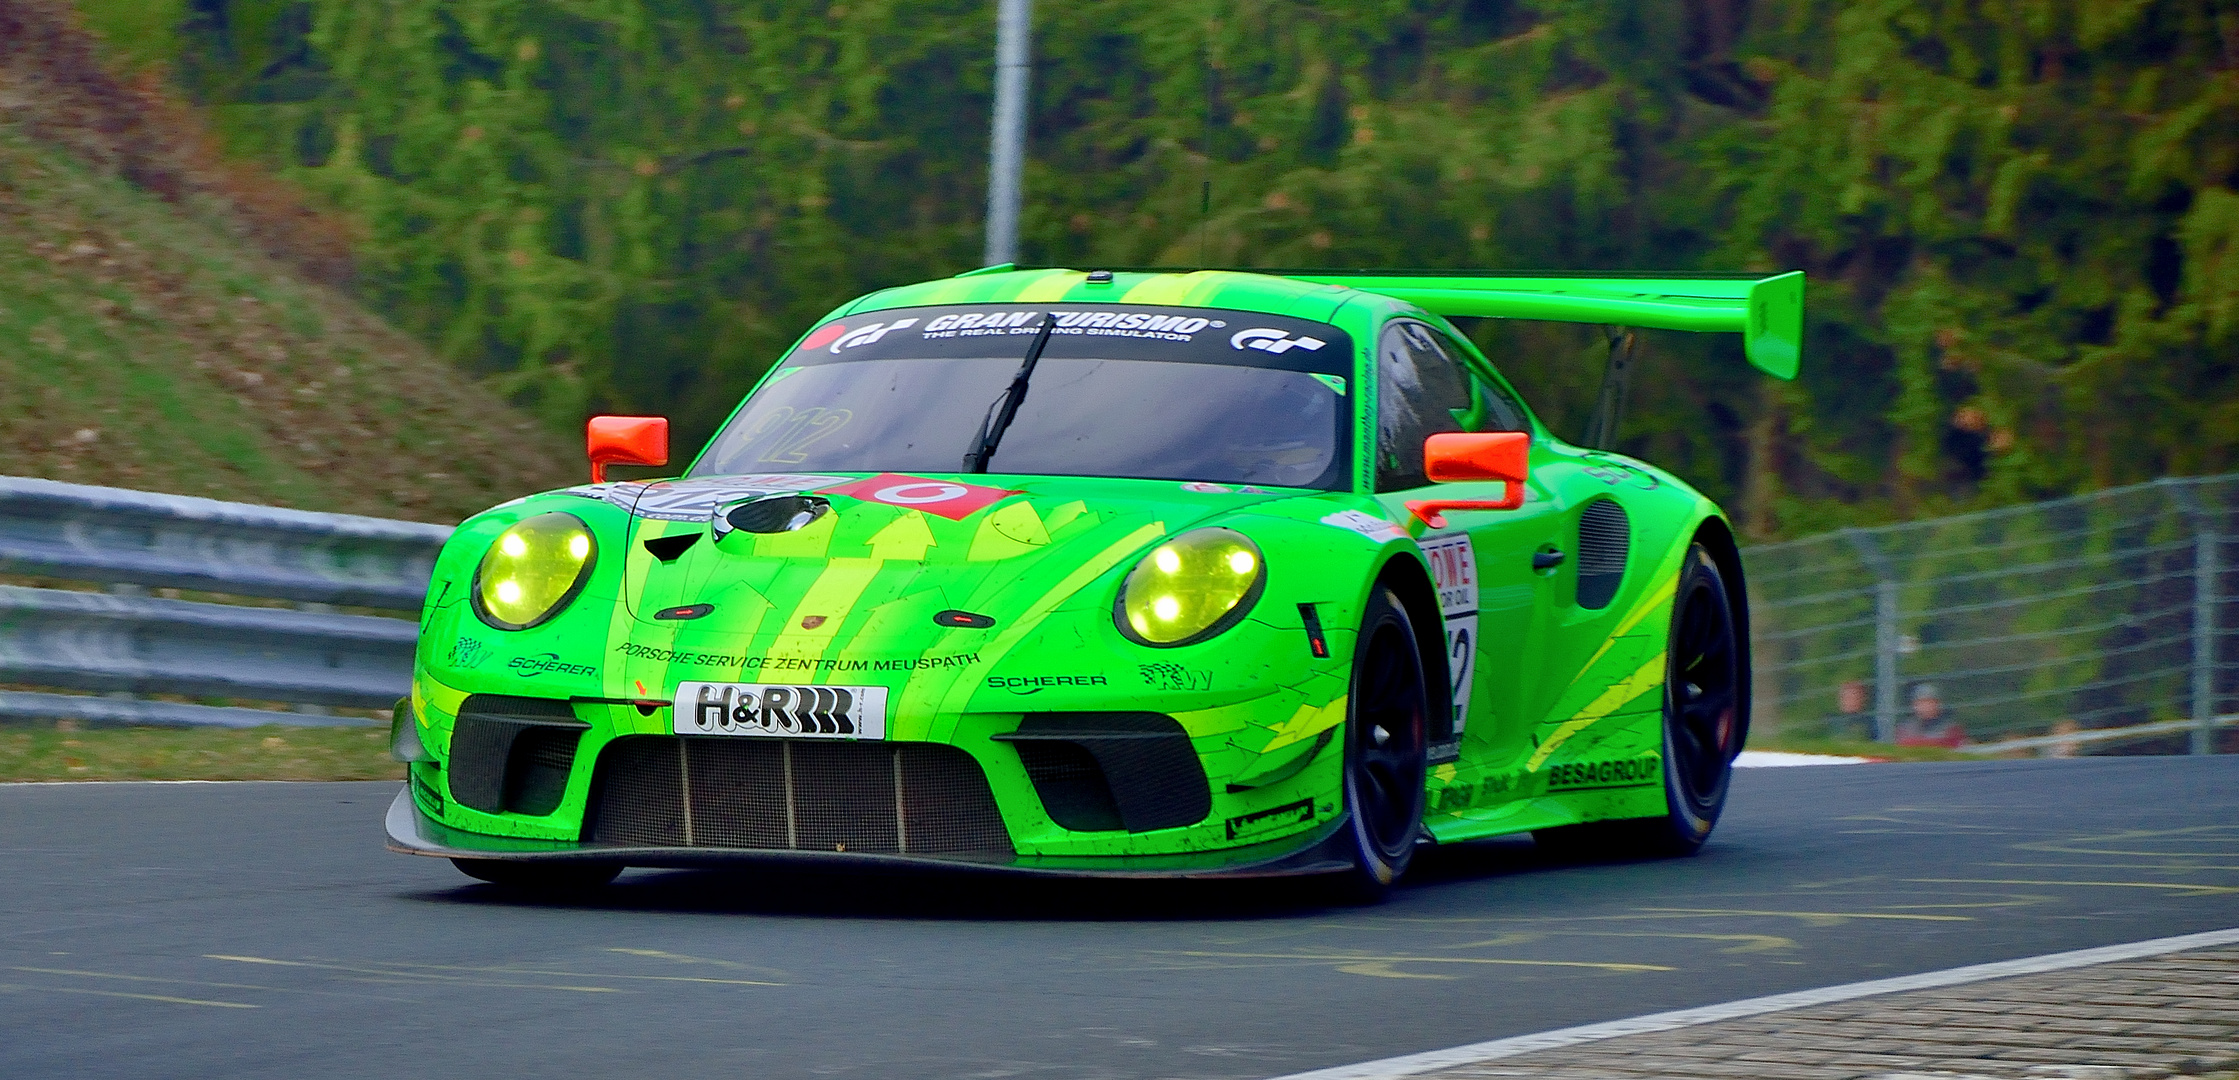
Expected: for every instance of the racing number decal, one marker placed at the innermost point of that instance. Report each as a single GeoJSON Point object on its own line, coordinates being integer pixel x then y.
{"type": "Point", "coordinates": [1453, 569]}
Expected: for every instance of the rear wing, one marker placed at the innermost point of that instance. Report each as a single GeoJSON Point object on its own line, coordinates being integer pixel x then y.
{"type": "Point", "coordinates": [1767, 312]}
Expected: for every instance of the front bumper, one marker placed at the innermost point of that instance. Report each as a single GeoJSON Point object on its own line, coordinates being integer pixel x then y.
{"type": "Point", "coordinates": [1320, 851]}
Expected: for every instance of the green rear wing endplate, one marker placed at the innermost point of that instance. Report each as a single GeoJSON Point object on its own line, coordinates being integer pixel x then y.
{"type": "Point", "coordinates": [1768, 312]}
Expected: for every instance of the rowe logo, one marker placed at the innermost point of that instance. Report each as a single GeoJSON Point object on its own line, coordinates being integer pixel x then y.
{"type": "Point", "coordinates": [1272, 341]}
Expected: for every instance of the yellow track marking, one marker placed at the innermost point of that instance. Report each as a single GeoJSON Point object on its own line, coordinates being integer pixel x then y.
{"type": "Point", "coordinates": [587, 974]}
{"type": "Point", "coordinates": [135, 978]}
{"type": "Point", "coordinates": [1349, 962]}
{"type": "Point", "coordinates": [392, 973]}
{"type": "Point", "coordinates": [165, 998]}
{"type": "Point", "coordinates": [1833, 918]}
{"type": "Point", "coordinates": [2190, 890]}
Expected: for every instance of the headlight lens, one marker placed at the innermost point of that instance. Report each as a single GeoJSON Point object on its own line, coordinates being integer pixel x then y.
{"type": "Point", "coordinates": [1190, 588]}
{"type": "Point", "coordinates": [532, 570]}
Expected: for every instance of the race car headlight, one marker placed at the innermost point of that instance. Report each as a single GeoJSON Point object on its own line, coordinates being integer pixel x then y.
{"type": "Point", "coordinates": [532, 570]}
{"type": "Point", "coordinates": [1190, 588]}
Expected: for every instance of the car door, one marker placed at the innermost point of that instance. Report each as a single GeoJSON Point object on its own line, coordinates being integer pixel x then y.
{"type": "Point", "coordinates": [1494, 601]}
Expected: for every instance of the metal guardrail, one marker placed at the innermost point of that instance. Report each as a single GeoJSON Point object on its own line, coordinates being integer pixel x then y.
{"type": "Point", "coordinates": [2103, 617]}
{"type": "Point", "coordinates": [123, 643]}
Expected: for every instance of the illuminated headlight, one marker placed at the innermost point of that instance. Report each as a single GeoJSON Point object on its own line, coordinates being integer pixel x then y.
{"type": "Point", "coordinates": [1190, 588]}
{"type": "Point", "coordinates": [532, 570]}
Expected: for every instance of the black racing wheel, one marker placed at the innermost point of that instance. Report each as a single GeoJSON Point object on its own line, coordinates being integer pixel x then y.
{"type": "Point", "coordinates": [1706, 708]}
{"type": "Point", "coordinates": [540, 877]}
{"type": "Point", "coordinates": [1706, 717]}
{"type": "Point", "coordinates": [1386, 737]}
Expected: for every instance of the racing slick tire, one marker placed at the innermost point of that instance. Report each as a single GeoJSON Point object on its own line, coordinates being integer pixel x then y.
{"type": "Point", "coordinates": [536, 877]}
{"type": "Point", "coordinates": [1706, 718]}
{"type": "Point", "coordinates": [1387, 730]}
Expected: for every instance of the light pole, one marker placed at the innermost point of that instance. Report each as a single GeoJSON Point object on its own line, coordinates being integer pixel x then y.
{"type": "Point", "coordinates": [1007, 144]}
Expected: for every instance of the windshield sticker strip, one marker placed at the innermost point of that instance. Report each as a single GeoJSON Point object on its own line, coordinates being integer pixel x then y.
{"type": "Point", "coordinates": [1087, 331]}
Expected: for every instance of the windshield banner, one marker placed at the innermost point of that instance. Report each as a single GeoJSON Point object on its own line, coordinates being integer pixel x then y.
{"type": "Point", "coordinates": [1083, 331]}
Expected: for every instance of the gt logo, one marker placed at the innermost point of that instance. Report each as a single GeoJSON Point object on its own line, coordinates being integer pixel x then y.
{"type": "Point", "coordinates": [1272, 341]}
{"type": "Point", "coordinates": [870, 333]}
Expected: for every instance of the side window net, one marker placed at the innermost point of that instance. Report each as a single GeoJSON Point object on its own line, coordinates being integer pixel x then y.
{"type": "Point", "coordinates": [1421, 392]}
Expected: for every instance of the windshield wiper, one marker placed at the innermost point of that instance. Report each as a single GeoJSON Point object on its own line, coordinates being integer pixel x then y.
{"type": "Point", "coordinates": [1004, 408]}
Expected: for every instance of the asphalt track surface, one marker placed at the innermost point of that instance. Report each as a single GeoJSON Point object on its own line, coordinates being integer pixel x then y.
{"type": "Point", "coordinates": [259, 930]}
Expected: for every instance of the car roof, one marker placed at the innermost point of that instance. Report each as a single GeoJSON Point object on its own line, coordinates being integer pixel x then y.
{"type": "Point", "coordinates": [1229, 289]}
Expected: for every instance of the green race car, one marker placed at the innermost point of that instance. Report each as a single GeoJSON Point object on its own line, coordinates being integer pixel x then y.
{"type": "Point", "coordinates": [1118, 573]}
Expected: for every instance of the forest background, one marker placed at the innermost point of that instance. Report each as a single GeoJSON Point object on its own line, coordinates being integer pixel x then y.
{"type": "Point", "coordinates": [2020, 218]}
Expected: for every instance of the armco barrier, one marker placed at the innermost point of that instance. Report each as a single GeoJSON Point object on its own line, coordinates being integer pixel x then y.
{"type": "Point", "coordinates": [139, 644]}
{"type": "Point", "coordinates": [2104, 618]}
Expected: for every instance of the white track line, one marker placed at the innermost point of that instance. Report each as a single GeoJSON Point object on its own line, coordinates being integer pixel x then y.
{"type": "Point", "coordinates": [1474, 1053]}
{"type": "Point", "coordinates": [1758, 759]}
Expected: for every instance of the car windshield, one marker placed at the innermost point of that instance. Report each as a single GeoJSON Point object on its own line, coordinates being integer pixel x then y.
{"type": "Point", "coordinates": [1189, 398]}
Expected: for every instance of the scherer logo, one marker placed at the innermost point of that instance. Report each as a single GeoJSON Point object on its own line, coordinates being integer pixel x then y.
{"type": "Point", "coordinates": [1272, 341]}
{"type": "Point", "coordinates": [1035, 684]}
{"type": "Point", "coordinates": [543, 663]}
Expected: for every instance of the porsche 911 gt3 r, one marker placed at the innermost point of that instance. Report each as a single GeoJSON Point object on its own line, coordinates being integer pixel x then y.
{"type": "Point", "coordinates": [1122, 573]}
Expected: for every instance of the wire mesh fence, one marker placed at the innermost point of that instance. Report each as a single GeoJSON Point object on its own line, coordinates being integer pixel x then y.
{"type": "Point", "coordinates": [2109, 610]}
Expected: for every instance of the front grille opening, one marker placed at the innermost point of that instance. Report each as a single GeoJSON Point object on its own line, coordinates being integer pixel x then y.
{"type": "Point", "coordinates": [1113, 770]}
{"type": "Point", "coordinates": [1072, 786]}
{"type": "Point", "coordinates": [536, 772]}
{"type": "Point", "coordinates": [797, 795]}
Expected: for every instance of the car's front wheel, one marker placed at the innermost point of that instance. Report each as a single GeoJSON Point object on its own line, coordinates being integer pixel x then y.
{"type": "Point", "coordinates": [539, 877]}
{"type": "Point", "coordinates": [1386, 735]}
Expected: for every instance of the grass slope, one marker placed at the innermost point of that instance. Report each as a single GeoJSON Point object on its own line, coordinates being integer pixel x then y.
{"type": "Point", "coordinates": [271, 753]}
{"type": "Point", "coordinates": [143, 346]}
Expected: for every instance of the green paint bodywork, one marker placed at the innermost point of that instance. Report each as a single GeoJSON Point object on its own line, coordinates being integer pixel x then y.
{"type": "Point", "coordinates": [1563, 718]}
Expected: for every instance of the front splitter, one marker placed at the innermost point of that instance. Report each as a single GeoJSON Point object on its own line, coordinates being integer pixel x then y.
{"type": "Point", "coordinates": [1320, 852]}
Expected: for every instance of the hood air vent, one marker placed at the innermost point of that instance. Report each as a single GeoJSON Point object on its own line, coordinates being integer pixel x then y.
{"type": "Point", "coordinates": [667, 548]}
{"type": "Point", "coordinates": [775, 514]}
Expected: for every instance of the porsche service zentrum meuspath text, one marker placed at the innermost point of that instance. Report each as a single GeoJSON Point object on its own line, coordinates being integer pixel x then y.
{"type": "Point", "coordinates": [1136, 573]}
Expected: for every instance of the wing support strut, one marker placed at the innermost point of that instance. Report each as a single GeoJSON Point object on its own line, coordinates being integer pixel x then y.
{"type": "Point", "coordinates": [1617, 387]}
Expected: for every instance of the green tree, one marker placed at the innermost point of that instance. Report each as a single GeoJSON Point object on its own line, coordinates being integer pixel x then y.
{"type": "Point", "coordinates": [2021, 218]}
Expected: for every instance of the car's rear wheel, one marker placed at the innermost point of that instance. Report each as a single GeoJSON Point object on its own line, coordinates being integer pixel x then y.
{"type": "Point", "coordinates": [539, 877]}
{"type": "Point", "coordinates": [1705, 710]}
{"type": "Point", "coordinates": [1386, 735]}
{"type": "Point", "coordinates": [1705, 720]}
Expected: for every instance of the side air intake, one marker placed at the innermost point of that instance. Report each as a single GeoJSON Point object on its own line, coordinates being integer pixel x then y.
{"type": "Point", "coordinates": [1605, 541]}
{"type": "Point", "coordinates": [513, 754]}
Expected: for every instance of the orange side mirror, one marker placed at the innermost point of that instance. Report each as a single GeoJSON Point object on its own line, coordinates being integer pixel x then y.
{"type": "Point", "coordinates": [1457, 456]}
{"type": "Point", "coordinates": [626, 440]}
